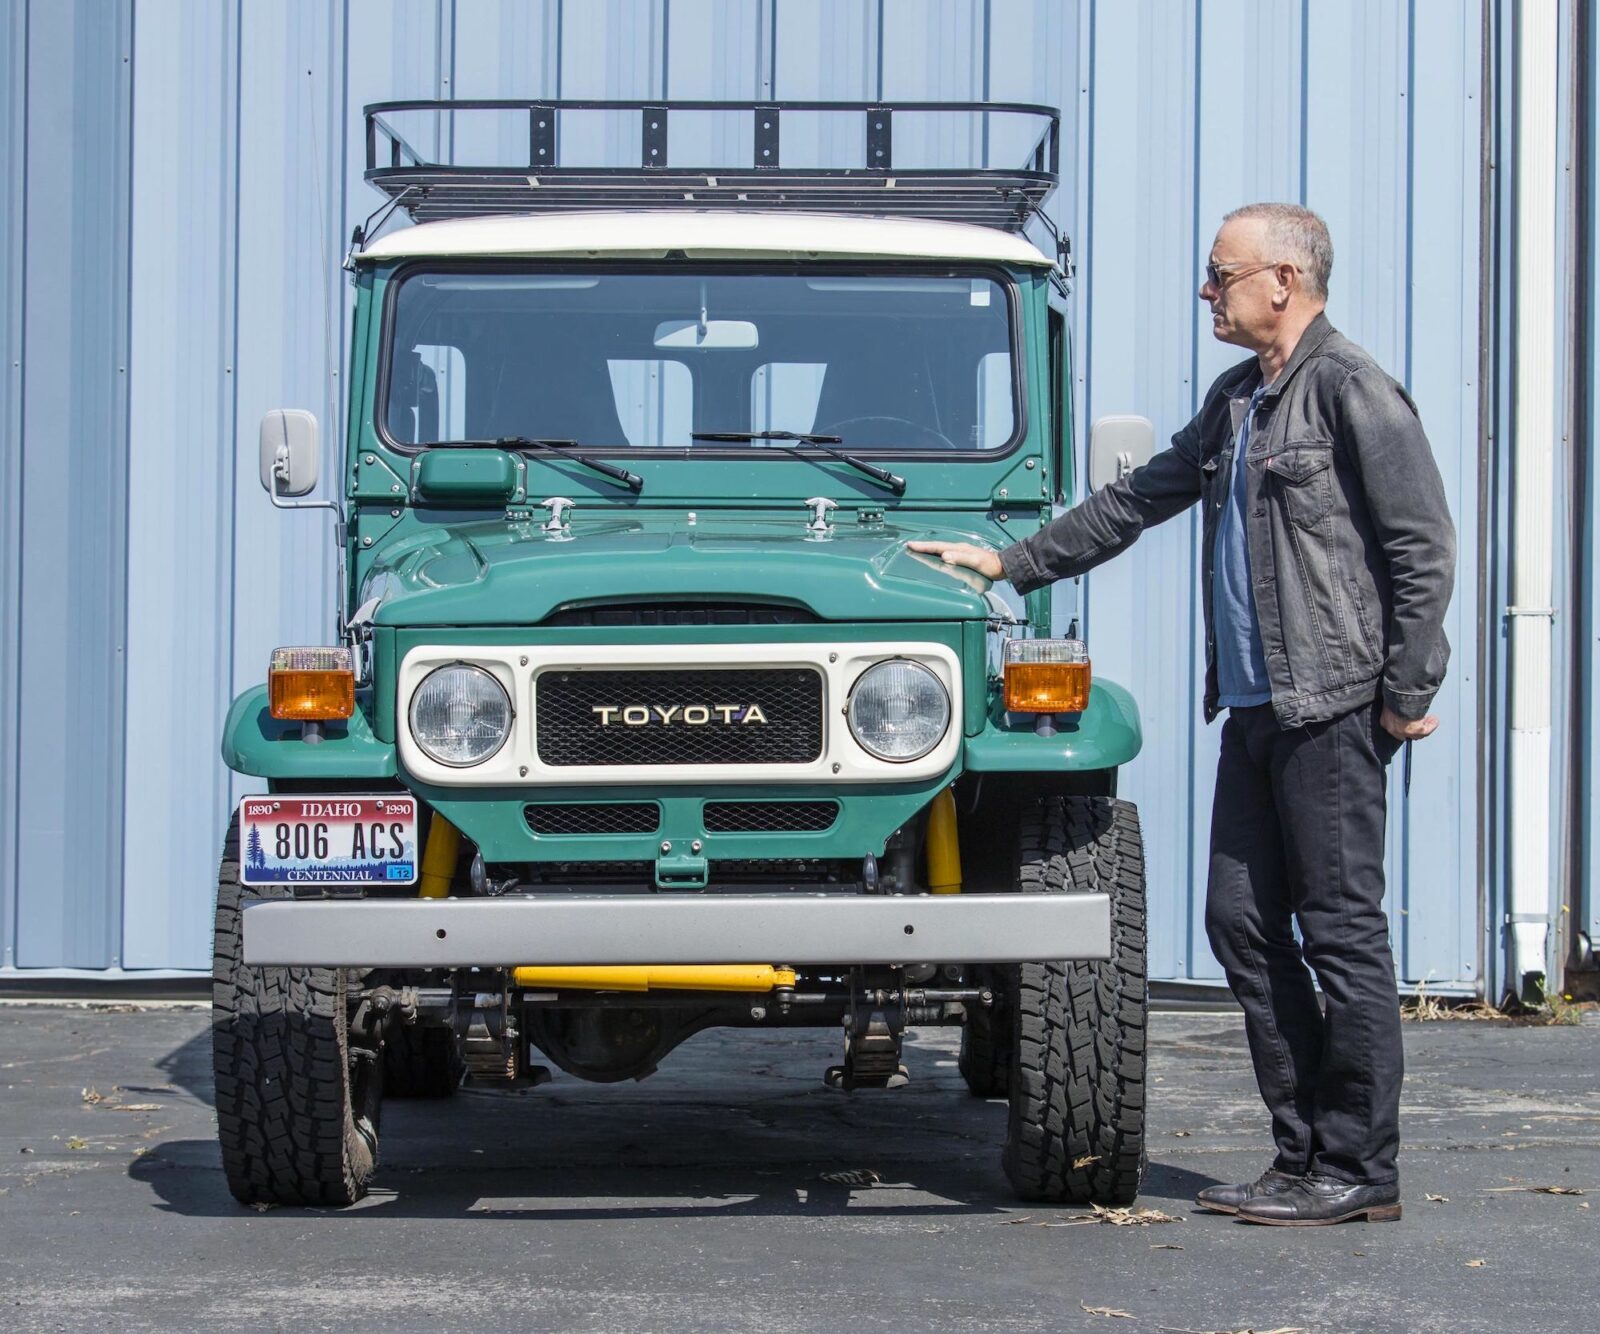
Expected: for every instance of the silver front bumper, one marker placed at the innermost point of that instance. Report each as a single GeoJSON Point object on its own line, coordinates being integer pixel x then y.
{"type": "Point", "coordinates": [678, 928]}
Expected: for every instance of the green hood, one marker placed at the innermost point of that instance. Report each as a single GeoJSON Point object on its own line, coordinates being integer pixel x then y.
{"type": "Point", "coordinates": [502, 572]}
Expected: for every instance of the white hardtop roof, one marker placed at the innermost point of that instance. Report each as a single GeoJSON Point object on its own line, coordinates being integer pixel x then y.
{"type": "Point", "coordinates": [705, 234]}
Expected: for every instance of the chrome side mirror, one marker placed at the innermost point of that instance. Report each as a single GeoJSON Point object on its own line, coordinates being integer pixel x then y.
{"type": "Point", "coordinates": [1118, 445]}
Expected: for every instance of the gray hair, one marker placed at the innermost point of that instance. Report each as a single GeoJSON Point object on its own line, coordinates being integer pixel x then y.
{"type": "Point", "coordinates": [1299, 236]}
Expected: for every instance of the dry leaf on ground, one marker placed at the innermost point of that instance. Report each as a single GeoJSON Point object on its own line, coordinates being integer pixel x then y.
{"type": "Point", "coordinates": [1110, 1312]}
{"type": "Point", "coordinates": [77, 1142]}
{"type": "Point", "coordinates": [1182, 1134]}
{"type": "Point", "coordinates": [1127, 1217]}
{"type": "Point", "coordinates": [1476, 1264]}
{"type": "Point", "coordinates": [851, 1176]}
{"type": "Point", "coordinates": [1533, 1190]}
{"type": "Point", "coordinates": [1100, 1214]}
{"type": "Point", "coordinates": [1437, 1199]}
{"type": "Point", "coordinates": [92, 1095]}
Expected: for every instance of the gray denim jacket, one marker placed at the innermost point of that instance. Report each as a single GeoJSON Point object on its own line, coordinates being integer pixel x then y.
{"type": "Point", "coordinates": [1352, 551]}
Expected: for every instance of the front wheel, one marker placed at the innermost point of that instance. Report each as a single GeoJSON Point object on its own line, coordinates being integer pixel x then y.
{"type": "Point", "coordinates": [1076, 1126]}
{"type": "Point", "coordinates": [297, 1106]}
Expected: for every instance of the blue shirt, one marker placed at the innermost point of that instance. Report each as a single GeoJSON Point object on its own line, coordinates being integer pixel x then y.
{"type": "Point", "coordinates": [1241, 663]}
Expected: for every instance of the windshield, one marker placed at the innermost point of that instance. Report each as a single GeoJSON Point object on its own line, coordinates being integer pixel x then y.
{"type": "Point", "coordinates": [888, 361]}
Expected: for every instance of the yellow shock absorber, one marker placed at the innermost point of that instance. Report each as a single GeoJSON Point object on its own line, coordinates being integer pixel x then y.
{"type": "Point", "coordinates": [943, 845]}
{"type": "Point", "coordinates": [439, 860]}
{"type": "Point", "coordinates": [657, 977]}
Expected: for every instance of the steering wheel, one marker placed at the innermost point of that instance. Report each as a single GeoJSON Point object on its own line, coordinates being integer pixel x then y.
{"type": "Point", "coordinates": [837, 428]}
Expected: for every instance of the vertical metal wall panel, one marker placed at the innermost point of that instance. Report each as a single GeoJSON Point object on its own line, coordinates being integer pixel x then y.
{"type": "Point", "coordinates": [1178, 140]}
{"type": "Point", "coordinates": [400, 50]}
{"type": "Point", "coordinates": [288, 346]}
{"type": "Point", "coordinates": [502, 48]}
{"type": "Point", "coordinates": [1229, 116]}
{"type": "Point", "coordinates": [13, 252]}
{"type": "Point", "coordinates": [610, 49]}
{"type": "Point", "coordinates": [826, 50]}
{"type": "Point", "coordinates": [180, 476]}
{"type": "Point", "coordinates": [1434, 858]}
{"type": "Point", "coordinates": [248, 155]}
{"type": "Point", "coordinates": [508, 48]}
{"type": "Point", "coordinates": [1136, 342]}
{"type": "Point", "coordinates": [718, 49]}
{"type": "Point", "coordinates": [70, 737]}
{"type": "Point", "coordinates": [1405, 232]}
{"type": "Point", "coordinates": [404, 51]}
{"type": "Point", "coordinates": [1588, 607]}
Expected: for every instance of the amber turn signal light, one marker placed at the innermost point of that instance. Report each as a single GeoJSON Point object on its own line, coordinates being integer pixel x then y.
{"type": "Point", "coordinates": [311, 685]}
{"type": "Point", "coordinates": [1046, 676]}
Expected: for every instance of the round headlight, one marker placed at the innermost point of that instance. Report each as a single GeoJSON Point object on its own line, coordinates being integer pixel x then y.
{"type": "Point", "coordinates": [898, 710]}
{"type": "Point", "coordinates": [460, 715]}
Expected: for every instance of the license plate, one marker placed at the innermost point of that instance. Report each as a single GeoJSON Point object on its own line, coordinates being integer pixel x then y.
{"type": "Point", "coordinates": [334, 840]}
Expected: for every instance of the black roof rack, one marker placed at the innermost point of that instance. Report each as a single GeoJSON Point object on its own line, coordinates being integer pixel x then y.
{"type": "Point", "coordinates": [554, 179]}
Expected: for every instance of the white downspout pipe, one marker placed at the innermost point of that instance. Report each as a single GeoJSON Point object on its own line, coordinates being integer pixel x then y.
{"type": "Point", "coordinates": [1532, 485]}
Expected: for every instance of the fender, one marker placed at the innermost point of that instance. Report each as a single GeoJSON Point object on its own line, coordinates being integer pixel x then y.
{"type": "Point", "coordinates": [1105, 735]}
{"type": "Point", "coordinates": [256, 743]}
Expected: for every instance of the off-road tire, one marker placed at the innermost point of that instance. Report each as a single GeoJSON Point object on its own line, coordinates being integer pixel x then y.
{"type": "Point", "coordinates": [421, 1062]}
{"type": "Point", "coordinates": [986, 1039]}
{"type": "Point", "coordinates": [297, 1118]}
{"type": "Point", "coordinates": [1076, 1129]}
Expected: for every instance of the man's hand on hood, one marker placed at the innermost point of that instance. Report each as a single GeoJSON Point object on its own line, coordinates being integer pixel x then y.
{"type": "Point", "coordinates": [981, 559]}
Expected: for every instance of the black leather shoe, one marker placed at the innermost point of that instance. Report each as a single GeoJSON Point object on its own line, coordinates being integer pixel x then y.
{"type": "Point", "coordinates": [1227, 1199]}
{"type": "Point", "coordinates": [1316, 1200]}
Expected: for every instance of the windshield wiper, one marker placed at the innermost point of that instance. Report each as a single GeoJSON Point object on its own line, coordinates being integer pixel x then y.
{"type": "Point", "coordinates": [893, 481]}
{"type": "Point", "coordinates": [569, 449]}
{"type": "Point", "coordinates": [565, 448]}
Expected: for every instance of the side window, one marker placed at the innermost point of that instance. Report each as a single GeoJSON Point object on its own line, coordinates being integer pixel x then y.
{"type": "Point", "coordinates": [784, 396]}
{"type": "Point", "coordinates": [995, 418]}
{"type": "Point", "coordinates": [655, 401]}
{"type": "Point", "coordinates": [428, 396]}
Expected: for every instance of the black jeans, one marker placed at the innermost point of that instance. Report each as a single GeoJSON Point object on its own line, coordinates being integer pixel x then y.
{"type": "Point", "coordinates": [1297, 836]}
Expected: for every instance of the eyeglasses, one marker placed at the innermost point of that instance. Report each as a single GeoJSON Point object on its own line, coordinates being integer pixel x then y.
{"type": "Point", "coordinates": [1223, 276]}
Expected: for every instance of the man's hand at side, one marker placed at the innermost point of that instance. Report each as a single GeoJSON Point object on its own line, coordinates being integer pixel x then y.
{"type": "Point", "coordinates": [984, 561]}
{"type": "Point", "coordinates": [1406, 729]}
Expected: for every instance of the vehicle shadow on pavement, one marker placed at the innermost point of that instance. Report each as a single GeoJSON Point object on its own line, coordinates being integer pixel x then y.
{"type": "Point", "coordinates": [186, 1178]}
{"type": "Point", "coordinates": [732, 1127]}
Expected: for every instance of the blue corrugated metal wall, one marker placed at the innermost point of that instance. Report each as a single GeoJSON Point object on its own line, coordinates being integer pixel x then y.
{"type": "Point", "coordinates": [169, 270]}
{"type": "Point", "coordinates": [1176, 141]}
{"type": "Point", "coordinates": [1586, 599]}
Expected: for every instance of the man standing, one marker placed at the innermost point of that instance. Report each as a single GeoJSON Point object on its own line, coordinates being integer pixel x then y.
{"type": "Point", "coordinates": [1328, 563]}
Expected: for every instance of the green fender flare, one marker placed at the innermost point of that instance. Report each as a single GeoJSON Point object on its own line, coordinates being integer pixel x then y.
{"type": "Point", "coordinates": [1105, 735]}
{"type": "Point", "coordinates": [254, 742]}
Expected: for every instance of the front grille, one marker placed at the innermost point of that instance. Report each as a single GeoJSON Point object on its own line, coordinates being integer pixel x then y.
{"type": "Point", "coordinates": [609, 817]}
{"type": "Point", "coordinates": [662, 716]}
{"type": "Point", "coordinates": [739, 817]}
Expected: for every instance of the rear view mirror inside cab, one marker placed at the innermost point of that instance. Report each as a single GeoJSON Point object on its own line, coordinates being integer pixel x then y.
{"type": "Point", "coordinates": [707, 335]}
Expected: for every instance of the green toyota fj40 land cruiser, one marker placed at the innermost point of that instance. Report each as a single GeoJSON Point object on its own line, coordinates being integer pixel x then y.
{"type": "Point", "coordinates": [641, 718]}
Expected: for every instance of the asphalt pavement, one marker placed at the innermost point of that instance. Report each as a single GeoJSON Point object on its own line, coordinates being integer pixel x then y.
{"type": "Point", "coordinates": [732, 1191]}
